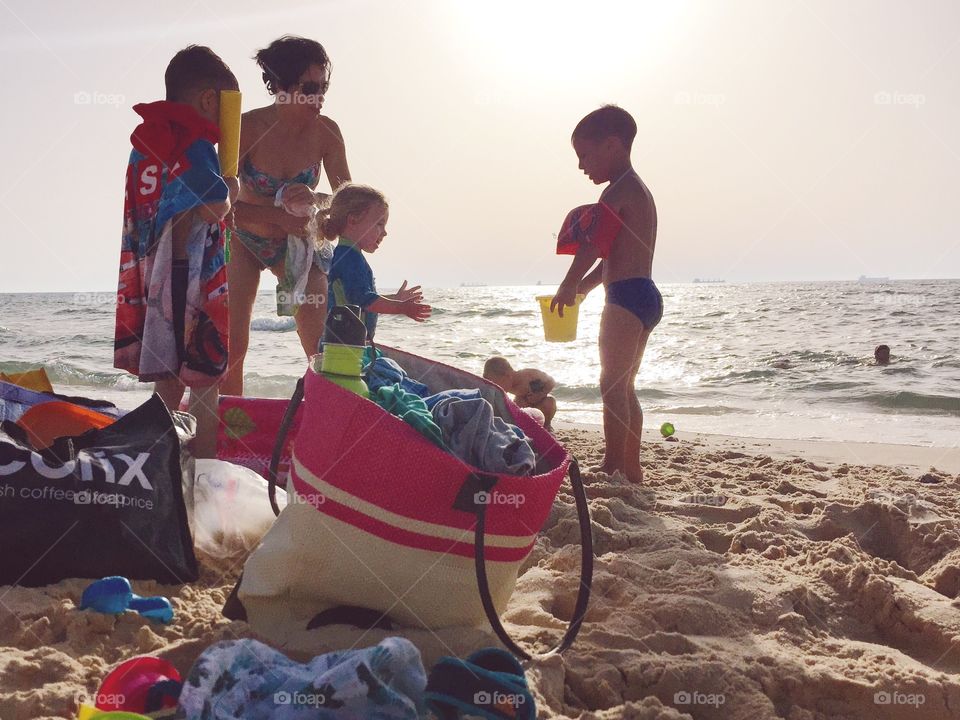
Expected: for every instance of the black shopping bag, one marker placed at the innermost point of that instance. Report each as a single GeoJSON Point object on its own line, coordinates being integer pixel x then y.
{"type": "Point", "coordinates": [108, 502]}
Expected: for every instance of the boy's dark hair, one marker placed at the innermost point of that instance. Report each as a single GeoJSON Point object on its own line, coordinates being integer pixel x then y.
{"type": "Point", "coordinates": [607, 121]}
{"type": "Point", "coordinates": [197, 67]}
{"type": "Point", "coordinates": [287, 58]}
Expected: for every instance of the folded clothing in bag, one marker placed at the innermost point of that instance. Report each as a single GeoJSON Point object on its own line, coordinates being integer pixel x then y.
{"type": "Point", "coordinates": [474, 434]}
{"type": "Point", "coordinates": [382, 371]}
{"type": "Point", "coordinates": [107, 502]}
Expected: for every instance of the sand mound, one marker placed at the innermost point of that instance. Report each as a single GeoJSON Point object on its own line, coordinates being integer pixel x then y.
{"type": "Point", "coordinates": [731, 586]}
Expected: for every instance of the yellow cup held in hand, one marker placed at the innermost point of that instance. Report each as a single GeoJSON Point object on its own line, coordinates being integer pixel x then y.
{"type": "Point", "coordinates": [229, 147]}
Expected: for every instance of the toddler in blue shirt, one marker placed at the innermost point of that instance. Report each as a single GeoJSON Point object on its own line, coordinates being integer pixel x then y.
{"type": "Point", "coordinates": [357, 215]}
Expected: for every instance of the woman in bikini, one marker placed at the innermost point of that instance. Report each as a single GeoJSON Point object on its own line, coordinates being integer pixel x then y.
{"type": "Point", "coordinates": [282, 149]}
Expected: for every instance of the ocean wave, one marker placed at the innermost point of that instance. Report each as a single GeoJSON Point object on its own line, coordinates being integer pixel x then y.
{"type": "Point", "coordinates": [900, 370]}
{"type": "Point", "coordinates": [67, 374]}
{"type": "Point", "coordinates": [830, 385]}
{"type": "Point", "coordinates": [494, 312]}
{"type": "Point", "coordinates": [698, 410]}
{"type": "Point", "coordinates": [268, 386]}
{"type": "Point", "coordinates": [581, 393]}
{"type": "Point", "coordinates": [273, 324]}
{"type": "Point", "coordinates": [818, 356]}
{"type": "Point", "coordinates": [63, 373]}
{"type": "Point", "coordinates": [742, 376]}
{"type": "Point", "coordinates": [906, 400]}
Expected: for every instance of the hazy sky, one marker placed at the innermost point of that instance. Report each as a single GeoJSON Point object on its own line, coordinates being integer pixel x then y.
{"type": "Point", "coordinates": [782, 139]}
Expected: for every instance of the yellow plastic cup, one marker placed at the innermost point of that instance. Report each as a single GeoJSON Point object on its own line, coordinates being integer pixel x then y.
{"type": "Point", "coordinates": [229, 147]}
{"type": "Point", "coordinates": [556, 328]}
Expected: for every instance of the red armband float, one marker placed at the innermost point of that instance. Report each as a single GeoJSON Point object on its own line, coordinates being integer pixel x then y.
{"type": "Point", "coordinates": [597, 224]}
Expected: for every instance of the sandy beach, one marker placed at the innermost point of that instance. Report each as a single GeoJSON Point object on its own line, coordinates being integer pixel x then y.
{"type": "Point", "coordinates": [747, 579]}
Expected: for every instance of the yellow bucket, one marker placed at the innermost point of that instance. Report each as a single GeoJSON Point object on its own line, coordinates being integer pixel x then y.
{"type": "Point", "coordinates": [556, 328]}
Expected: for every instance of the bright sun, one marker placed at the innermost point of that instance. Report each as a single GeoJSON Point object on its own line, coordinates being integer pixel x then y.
{"type": "Point", "coordinates": [564, 41]}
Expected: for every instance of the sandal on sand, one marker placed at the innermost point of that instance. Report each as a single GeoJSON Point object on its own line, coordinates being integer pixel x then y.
{"type": "Point", "coordinates": [488, 684]}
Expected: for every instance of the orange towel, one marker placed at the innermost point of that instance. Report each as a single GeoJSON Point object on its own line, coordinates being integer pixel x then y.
{"type": "Point", "coordinates": [48, 421]}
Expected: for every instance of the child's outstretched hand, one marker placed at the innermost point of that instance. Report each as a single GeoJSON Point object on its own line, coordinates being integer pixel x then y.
{"type": "Point", "coordinates": [404, 293]}
{"type": "Point", "coordinates": [415, 310]}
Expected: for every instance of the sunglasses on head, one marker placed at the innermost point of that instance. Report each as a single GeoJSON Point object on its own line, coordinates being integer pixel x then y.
{"type": "Point", "coordinates": [312, 87]}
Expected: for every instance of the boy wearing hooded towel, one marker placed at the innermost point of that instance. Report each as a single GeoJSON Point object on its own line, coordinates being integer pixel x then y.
{"type": "Point", "coordinates": [171, 325]}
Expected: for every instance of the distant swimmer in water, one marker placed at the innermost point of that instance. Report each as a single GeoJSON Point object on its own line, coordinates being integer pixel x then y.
{"type": "Point", "coordinates": [531, 388]}
{"type": "Point", "coordinates": [882, 355]}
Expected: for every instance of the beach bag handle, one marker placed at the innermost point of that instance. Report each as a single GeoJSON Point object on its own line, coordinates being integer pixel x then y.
{"type": "Point", "coordinates": [278, 446]}
{"type": "Point", "coordinates": [479, 485]}
{"type": "Point", "coordinates": [469, 499]}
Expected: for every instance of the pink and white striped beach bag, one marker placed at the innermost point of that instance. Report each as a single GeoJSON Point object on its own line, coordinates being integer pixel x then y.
{"type": "Point", "coordinates": [378, 517]}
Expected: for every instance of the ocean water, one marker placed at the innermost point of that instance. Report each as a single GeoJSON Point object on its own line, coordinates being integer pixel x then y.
{"type": "Point", "coordinates": [779, 360]}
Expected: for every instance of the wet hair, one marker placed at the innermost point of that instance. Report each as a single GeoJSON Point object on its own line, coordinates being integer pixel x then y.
{"type": "Point", "coordinates": [197, 67]}
{"type": "Point", "coordinates": [287, 58]}
{"type": "Point", "coordinates": [607, 121]}
{"type": "Point", "coordinates": [497, 367]}
{"type": "Point", "coordinates": [349, 199]}
{"type": "Point", "coordinates": [882, 354]}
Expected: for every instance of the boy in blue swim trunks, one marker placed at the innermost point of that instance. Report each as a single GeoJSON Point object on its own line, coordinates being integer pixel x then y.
{"type": "Point", "coordinates": [621, 232]}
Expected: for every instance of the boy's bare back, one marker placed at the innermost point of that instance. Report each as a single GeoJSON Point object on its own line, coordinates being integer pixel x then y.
{"type": "Point", "coordinates": [632, 252]}
{"type": "Point", "coordinates": [531, 384]}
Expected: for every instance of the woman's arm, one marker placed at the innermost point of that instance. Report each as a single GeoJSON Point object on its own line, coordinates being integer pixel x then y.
{"type": "Point", "coordinates": [335, 158]}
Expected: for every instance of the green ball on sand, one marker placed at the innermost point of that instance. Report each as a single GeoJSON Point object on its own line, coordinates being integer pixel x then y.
{"type": "Point", "coordinates": [667, 429]}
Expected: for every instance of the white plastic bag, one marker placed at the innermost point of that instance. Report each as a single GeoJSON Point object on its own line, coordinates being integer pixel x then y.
{"type": "Point", "coordinates": [231, 510]}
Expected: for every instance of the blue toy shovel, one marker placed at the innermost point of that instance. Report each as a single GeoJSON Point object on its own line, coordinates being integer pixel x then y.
{"type": "Point", "coordinates": [113, 596]}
